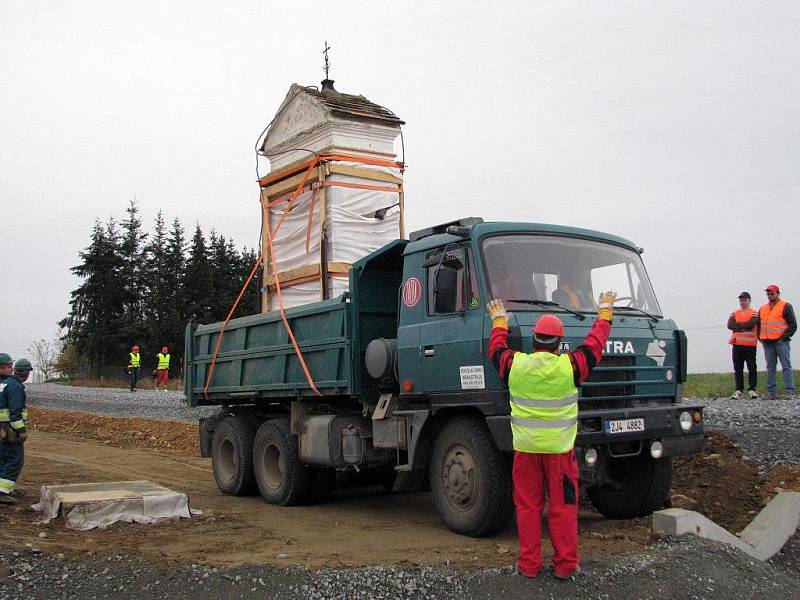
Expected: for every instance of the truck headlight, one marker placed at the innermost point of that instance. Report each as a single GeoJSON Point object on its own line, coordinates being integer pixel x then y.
{"type": "Point", "coordinates": [686, 421]}
{"type": "Point", "coordinates": [656, 449]}
{"type": "Point", "coordinates": [590, 456]}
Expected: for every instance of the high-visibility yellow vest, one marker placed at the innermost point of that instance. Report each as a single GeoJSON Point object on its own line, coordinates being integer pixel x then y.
{"type": "Point", "coordinates": [773, 325]}
{"type": "Point", "coordinates": [544, 403]}
{"type": "Point", "coordinates": [133, 361]}
{"type": "Point", "coordinates": [744, 338]}
{"type": "Point", "coordinates": [163, 360]}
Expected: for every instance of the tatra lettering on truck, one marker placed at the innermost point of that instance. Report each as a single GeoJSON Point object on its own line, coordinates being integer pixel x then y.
{"type": "Point", "coordinates": [400, 364]}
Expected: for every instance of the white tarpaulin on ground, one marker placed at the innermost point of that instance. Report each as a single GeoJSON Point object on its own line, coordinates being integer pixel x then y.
{"type": "Point", "coordinates": [89, 505]}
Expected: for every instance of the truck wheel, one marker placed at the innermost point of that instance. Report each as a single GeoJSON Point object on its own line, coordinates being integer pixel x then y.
{"type": "Point", "coordinates": [232, 456]}
{"type": "Point", "coordinates": [640, 485]}
{"type": "Point", "coordinates": [282, 478]}
{"type": "Point", "coordinates": [470, 479]}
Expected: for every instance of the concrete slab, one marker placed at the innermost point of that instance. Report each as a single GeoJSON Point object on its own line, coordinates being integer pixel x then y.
{"type": "Point", "coordinates": [762, 539]}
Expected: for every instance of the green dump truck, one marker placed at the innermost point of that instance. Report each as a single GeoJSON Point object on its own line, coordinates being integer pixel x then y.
{"type": "Point", "coordinates": [400, 363]}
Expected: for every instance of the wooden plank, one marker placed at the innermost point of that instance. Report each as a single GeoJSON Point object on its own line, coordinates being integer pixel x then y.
{"type": "Point", "coordinates": [371, 174]}
{"type": "Point", "coordinates": [290, 185]}
{"type": "Point", "coordinates": [267, 264]}
{"type": "Point", "coordinates": [323, 240]}
{"type": "Point", "coordinates": [402, 217]}
{"type": "Point", "coordinates": [292, 274]}
{"type": "Point", "coordinates": [308, 273]}
{"type": "Point", "coordinates": [339, 267]}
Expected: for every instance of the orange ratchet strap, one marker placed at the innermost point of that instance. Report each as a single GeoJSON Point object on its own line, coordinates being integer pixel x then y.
{"type": "Point", "coordinates": [270, 234]}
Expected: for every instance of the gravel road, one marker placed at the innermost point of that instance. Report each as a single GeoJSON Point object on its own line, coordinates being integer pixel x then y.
{"type": "Point", "coordinates": [687, 567]}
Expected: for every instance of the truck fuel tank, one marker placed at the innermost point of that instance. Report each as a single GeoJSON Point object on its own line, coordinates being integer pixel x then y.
{"type": "Point", "coordinates": [337, 441]}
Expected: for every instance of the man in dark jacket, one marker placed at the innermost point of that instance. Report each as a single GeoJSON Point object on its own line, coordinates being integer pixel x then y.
{"type": "Point", "coordinates": [13, 421]}
{"type": "Point", "coordinates": [744, 339]}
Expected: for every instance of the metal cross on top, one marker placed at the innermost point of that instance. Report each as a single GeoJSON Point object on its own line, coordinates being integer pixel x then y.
{"type": "Point", "coordinates": [327, 64]}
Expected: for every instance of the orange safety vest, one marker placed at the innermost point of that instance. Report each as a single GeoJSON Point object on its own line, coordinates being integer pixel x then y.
{"type": "Point", "coordinates": [773, 325]}
{"type": "Point", "coordinates": [744, 338]}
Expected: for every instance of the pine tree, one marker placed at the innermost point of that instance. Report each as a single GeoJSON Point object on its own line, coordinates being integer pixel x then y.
{"type": "Point", "coordinates": [134, 291]}
{"type": "Point", "coordinates": [156, 303]}
{"type": "Point", "coordinates": [251, 300]}
{"type": "Point", "coordinates": [198, 278]}
{"type": "Point", "coordinates": [174, 278]}
{"type": "Point", "coordinates": [95, 306]}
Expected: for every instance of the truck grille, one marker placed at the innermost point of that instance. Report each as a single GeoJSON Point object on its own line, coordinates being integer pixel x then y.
{"type": "Point", "coordinates": [611, 384]}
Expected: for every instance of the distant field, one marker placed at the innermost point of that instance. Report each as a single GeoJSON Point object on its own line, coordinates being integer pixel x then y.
{"type": "Point", "coordinates": [717, 385]}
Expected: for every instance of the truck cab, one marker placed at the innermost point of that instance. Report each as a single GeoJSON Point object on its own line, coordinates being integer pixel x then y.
{"type": "Point", "coordinates": [631, 421]}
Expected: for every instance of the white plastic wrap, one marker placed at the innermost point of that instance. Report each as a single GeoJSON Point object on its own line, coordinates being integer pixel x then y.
{"type": "Point", "coordinates": [353, 231]}
{"type": "Point", "coordinates": [92, 505]}
{"type": "Point", "coordinates": [289, 243]}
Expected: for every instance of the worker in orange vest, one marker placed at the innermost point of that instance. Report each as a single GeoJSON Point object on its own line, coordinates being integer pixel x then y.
{"type": "Point", "coordinates": [776, 326]}
{"type": "Point", "coordinates": [744, 339]}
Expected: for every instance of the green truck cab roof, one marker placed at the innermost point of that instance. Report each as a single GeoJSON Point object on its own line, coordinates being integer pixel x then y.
{"type": "Point", "coordinates": [504, 227]}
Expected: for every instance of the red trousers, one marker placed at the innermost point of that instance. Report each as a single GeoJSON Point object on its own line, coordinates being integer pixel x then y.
{"type": "Point", "coordinates": [162, 375]}
{"type": "Point", "coordinates": [558, 475]}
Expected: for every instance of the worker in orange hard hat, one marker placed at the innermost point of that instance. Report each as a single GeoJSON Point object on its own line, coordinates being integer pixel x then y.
{"type": "Point", "coordinates": [134, 362]}
{"type": "Point", "coordinates": [162, 370]}
{"type": "Point", "coordinates": [544, 423]}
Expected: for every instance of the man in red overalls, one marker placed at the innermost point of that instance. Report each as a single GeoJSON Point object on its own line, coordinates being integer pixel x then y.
{"type": "Point", "coordinates": [544, 415]}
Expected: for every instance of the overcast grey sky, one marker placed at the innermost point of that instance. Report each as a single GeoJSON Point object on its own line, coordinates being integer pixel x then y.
{"type": "Point", "coordinates": [674, 124]}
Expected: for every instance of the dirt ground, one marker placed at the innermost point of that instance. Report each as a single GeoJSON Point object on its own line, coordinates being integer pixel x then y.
{"type": "Point", "coordinates": [357, 526]}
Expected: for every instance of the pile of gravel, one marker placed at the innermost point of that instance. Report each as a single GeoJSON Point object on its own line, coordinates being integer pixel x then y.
{"type": "Point", "coordinates": [116, 402]}
{"type": "Point", "coordinates": [766, 430]}
{"type": "Point", "coordinates": [685, 567]}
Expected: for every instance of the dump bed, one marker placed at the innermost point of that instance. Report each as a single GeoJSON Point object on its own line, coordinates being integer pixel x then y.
{"type": "Point", "coordinates": [257, 362]}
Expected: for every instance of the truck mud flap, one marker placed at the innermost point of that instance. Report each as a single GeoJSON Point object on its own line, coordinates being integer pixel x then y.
{"type": "Point", "coordinates": [500, 428]}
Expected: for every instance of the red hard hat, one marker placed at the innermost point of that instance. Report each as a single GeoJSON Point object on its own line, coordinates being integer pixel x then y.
{"type": "Point", "coordinates": [164, 349]}
{"type": "Point", "coordinates": [135, 349]}
{"type": "Point", "coordinates": [549, 326]}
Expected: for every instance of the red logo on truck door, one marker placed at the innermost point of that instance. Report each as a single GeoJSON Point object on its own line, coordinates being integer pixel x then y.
{"type": "Point", "coordinates": [412, 292]}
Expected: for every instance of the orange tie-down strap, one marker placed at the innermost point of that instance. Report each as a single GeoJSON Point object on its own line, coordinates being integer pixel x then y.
{"type": "Point", "coordinates": [294, 169]}
{"type": "Point", "coordinates": [270, 235]}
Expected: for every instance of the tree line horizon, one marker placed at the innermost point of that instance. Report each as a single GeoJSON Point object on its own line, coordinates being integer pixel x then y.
{"type": "Point", "coordinates": [140, 288]}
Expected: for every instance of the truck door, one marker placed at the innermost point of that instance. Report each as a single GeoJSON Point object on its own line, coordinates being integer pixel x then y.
{"type": "Point", "coordinates": [450, 351]}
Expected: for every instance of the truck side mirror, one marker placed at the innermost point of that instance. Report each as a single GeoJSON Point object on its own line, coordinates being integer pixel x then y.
{"type": "Point", "coordinates": [444, 294]}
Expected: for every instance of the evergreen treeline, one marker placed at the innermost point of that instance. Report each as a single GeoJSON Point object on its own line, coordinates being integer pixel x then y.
{"type": "Point", "coordinates": [139, 288]}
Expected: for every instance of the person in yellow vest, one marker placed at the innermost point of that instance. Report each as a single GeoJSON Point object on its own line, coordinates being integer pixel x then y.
{"type": "Point", "coordinates": [162, 370]}
{"type": "Point", "coordinates": [543, 396]}
{"type": "Point", "coordinates": [776, 326]}
{"type": "Point", "coordinates": [133, 367]}
{"type": "Point", "coordinates": [744, 339]}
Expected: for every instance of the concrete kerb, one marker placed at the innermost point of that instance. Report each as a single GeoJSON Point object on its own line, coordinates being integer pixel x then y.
{"type": "Point", "coordinates": [762, 538]}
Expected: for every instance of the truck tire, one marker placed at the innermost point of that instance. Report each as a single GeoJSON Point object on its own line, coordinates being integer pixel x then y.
{"type": "Point", "coordinates": [232, 456]}
{"type": "Point", "coordinates": [281, 476]}
{"type": "Point", "coordinates": [640, 485]}
{"type": "Point", "coordinates": [470, 479]}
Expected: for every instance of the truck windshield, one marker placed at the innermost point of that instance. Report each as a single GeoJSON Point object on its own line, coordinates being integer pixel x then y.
{"type": "Point", "coordinates": [569, 271]}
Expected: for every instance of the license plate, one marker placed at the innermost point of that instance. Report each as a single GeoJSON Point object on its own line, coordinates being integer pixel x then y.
{"type": "Point", "coordinates": [625, 426]}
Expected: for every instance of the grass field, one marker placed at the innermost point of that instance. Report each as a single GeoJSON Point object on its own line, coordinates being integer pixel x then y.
{"type": "Point", "coordinates": [721, 385]}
